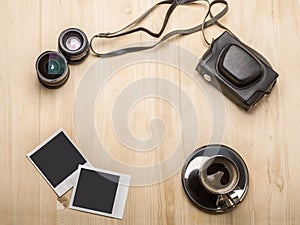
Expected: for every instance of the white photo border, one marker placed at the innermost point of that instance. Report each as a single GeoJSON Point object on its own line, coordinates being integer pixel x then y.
{"type": "Point", "coordinates": [67, 183]}
{"type": "Point", "coordinates": [120, 197]}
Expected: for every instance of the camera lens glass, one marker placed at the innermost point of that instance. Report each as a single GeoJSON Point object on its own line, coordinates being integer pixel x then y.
{"type": "Point", "coordinates": [52, 69]}
{"type": "Point", "coordinates": [74, 45]}
{"type": "Point", "coordinates": [52, 66]}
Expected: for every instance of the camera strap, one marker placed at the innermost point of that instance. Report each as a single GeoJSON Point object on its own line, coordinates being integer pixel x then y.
{"type": "Point", "coordinates": [173, 5]}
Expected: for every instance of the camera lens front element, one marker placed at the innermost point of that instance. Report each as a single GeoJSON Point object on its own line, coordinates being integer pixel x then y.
{"type": "Point", "coordinates": [73, 43]}
{"type": "Point", "coordinates": [52, 69]}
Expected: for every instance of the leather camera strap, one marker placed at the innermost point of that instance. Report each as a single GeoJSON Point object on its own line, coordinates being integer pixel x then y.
{"type": "Point", "coordinates": [173, 4]}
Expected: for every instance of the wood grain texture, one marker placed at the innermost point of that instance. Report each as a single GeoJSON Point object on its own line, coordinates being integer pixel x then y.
{"type": "Point", "coordinates": [268, 138]}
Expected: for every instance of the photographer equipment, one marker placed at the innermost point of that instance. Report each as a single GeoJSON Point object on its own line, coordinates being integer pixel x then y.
{"type": "Point", "coordinates": [238, 71]}
{"type": "Point", "coordinates": [52, 69]}
{"type": "Point", "coordinates": [173, 5]}
{"type": "Point", "coordinates": [74, 45]}
{"type": "Point", "coordinates": [235, 69]}
{"type": "Point", "coordinates": [215, 178]}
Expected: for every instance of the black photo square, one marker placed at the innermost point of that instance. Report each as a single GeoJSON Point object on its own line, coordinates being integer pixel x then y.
{"type": "Point", "coordinates": [57, 159]}
{"type": "Point", "coordinates": [100, 192]}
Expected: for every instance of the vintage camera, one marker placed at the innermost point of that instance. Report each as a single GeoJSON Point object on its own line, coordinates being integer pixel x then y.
{"type": "Point", "coordinates": [237, 70]}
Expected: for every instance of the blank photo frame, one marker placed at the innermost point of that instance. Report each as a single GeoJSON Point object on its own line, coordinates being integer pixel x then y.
{"type": "Point", "coordinates": [57, 160]}
{"type": "Point", "coordinates": [100, 192]}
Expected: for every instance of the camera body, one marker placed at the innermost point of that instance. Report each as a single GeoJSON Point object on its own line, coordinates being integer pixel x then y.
{"type": "Point", "coordinates": [237, 70]}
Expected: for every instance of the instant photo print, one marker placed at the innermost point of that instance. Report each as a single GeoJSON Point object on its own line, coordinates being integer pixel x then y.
{"type": "Point", "coordinates": [57, 160]}
{"type": "Point", "coordinates": [100, 192]}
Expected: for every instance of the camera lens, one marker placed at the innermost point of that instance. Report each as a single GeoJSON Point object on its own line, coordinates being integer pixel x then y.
{"type": "Point", "coordinates": [52, 69]}
{"type": "Point", "coordinates": [74, 45]}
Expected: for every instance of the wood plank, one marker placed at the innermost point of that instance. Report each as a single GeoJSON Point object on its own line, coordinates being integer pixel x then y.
{"type": "Point", "coordinates": [266, 138]}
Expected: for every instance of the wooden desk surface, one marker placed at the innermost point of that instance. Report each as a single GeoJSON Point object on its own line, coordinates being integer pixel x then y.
{"type": "Point", "coordinates": [268, 138]}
